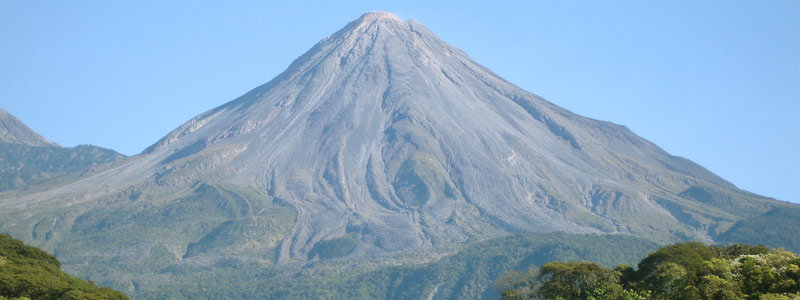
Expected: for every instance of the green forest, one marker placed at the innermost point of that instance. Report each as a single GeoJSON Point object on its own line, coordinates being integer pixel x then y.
{"type": "Point", "coordinates": [681, 271]}
{"type": "Point", "coordinates": [29, 273]}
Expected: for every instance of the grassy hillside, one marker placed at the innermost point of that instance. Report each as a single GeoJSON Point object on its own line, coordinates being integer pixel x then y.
{"type": "Point", "coordinates": [467, 274]}
{"type": "Point", "coordinates": [27, 272]}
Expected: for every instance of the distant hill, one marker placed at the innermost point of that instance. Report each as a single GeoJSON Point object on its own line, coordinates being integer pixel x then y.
{"type": "Point", "coordinates": [778, 228]}
{"type": "Point", "coordinates": [22, 166]}
{"type": "Point", "coordinates": [13, 131]}
{"type": "Point", "coordinates": [27, 159]}
{"type": "Point", "coordinates": [26, 271]}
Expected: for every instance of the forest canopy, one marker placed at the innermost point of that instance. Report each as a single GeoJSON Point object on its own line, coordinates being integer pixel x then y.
{"type": "Point", "coordinates": [29, 273]}
{"type": "Point", "coordinates": [681, 271]}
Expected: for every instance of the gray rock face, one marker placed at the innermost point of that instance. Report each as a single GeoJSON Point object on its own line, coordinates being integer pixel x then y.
{"type": "Point", "coordinates": [380, 138]}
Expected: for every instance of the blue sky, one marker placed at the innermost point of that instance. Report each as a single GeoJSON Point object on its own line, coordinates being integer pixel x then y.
{"type": "Point", "coordinates": [714, 81]}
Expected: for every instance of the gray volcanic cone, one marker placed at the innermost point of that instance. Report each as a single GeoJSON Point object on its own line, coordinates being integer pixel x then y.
{"type": "Point", "coordinates": [380, 138]}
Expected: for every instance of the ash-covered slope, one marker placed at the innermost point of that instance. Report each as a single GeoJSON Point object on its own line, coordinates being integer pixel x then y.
{"type": "Point", "coordinates": [380, 138]}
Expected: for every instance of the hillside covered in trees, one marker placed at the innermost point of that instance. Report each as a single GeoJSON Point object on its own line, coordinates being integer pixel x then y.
{"type": "Point", "coordinates": [29, 273]}
{"type": "Point", "coordinates": [681, 271]}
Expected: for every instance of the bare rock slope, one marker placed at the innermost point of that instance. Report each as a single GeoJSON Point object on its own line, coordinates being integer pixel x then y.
{"type": "Point", "coordinates": [381, 138]}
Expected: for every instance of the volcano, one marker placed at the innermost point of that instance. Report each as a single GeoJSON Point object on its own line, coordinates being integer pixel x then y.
{"type": "Point", "coordinates": [380, 139]}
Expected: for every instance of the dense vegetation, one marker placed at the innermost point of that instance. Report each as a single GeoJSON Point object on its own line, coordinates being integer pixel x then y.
{"type": "Point", "coordinates": [777, 228]}
{"type": "Point", "coordinates": [467, 274]}
{"type": "Point", "coordinates": [29, 273]}
{"type": "Point", "coordinates": [682, 271]}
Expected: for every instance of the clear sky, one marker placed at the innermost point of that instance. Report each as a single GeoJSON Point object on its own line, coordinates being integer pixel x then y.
{"type": "Point", "coordinates": [714, 81]}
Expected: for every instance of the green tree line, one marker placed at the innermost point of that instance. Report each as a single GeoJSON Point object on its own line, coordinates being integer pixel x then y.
{"type": "Point", "coordinates": [681, 271]}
